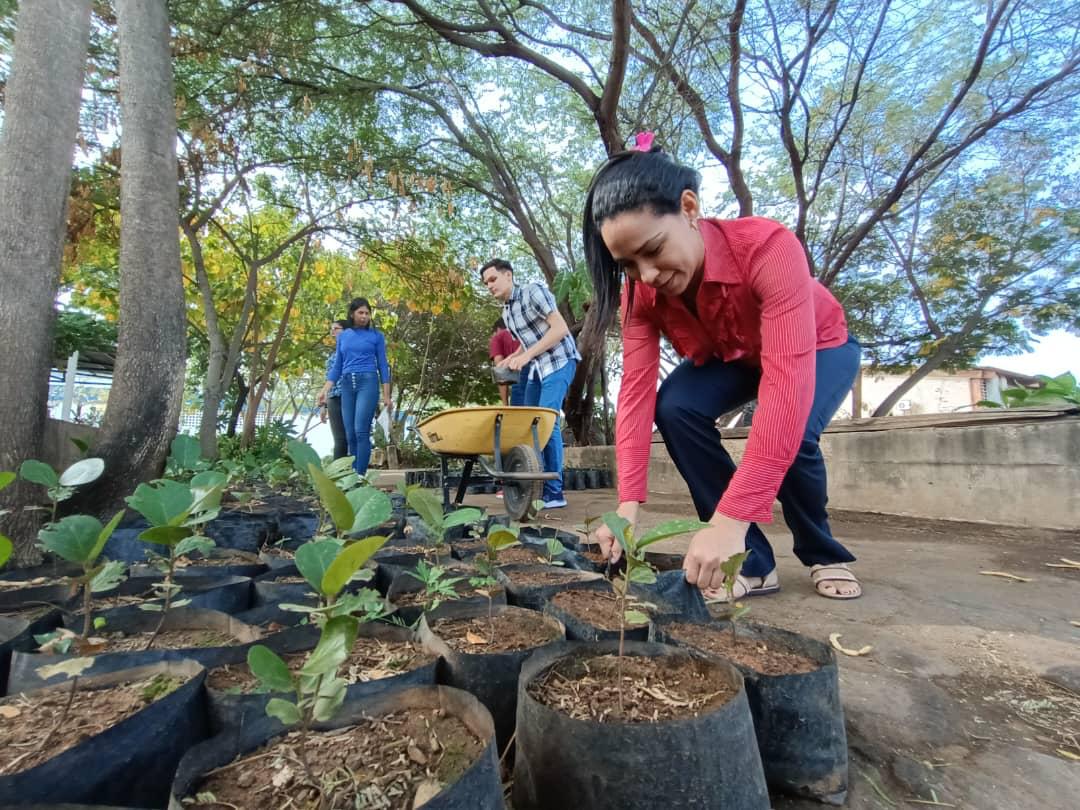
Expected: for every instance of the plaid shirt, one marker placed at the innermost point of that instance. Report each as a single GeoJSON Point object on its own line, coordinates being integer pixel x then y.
{"type": "Point", "coordinates": [336, 390]}
{"type": "Point", "coordinates": [525, 315]}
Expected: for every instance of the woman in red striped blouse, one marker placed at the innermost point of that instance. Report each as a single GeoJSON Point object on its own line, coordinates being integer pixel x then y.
{"type": "Point", "coordinates": [738, 303]}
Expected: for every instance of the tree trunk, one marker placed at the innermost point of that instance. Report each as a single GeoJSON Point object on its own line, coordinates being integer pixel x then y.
{"type": "Point", "coordinates": [271, 359]}
{"type": "Point", "coordinates": [144, 403]}
{"type": "Point", "coordinates": [37, 146]}
{"type": "Point", "coordinates": [935, 362]}
{"type": "Point", "coordinates": [238, 403]}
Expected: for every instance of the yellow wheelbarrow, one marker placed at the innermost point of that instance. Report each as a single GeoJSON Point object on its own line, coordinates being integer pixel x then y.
{"type": "Point", "coordinates": [472, 433]}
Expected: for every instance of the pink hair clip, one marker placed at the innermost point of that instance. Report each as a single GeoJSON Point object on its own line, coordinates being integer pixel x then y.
{"type": "Point", "coordinates": [643, 141]}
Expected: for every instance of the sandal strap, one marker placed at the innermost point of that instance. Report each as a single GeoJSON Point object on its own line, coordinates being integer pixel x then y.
{"type": "Point", "coordinates": [824, 574]}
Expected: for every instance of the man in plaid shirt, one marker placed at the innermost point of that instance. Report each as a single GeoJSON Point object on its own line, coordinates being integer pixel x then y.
{"type": "Point", "coordinates": [531, 315]}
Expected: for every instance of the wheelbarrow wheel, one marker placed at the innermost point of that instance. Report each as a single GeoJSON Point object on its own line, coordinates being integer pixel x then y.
{"type": "Point", "coordinates": [518, 496]}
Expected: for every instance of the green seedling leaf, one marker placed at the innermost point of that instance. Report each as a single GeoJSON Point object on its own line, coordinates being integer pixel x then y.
{"type": "Point", "coordinates": [348, 561]}
{"type": "Point", "coordinates": [284, 711]}
{"type": "Point", "coordinates": [179, 603]}
{"type": "Point", "coordinates": [669, 528]}
{"type": "Point", "coordinates": [270, 669]}
{"type": "Point", "coordinates": [642, 575]}
{"type": "Point", "coordinates": [462, 517]}
{"type": "Point", "coordinates": [59, 493]}
{"type": "Point", "coordinates": [302, 454]}
{"type": "Point", "coordinates": [184, 452]}
{"type": "Point", "coordinates": [330, 696]}
{"type": "Point", "coordinates": [338, 468]}
{"type": "Point", "coordinates": [335, 642]}
{"type": "Point", "coordinates": [314, 559]}
{"type": "Point", "coordinates": [5, 550]}
{"type": "Point", "coordinates": [82, 445]}
{"type": "Point", "coordinates": [428, 506]}
{"type": "Point", "coordinates": [739, 611]}
{"type": "Point", "coordinates": [6, 478]}
{"type": "Point", "coordinates": [502, 537]}
{"type": "Point", "coordinates": [165, 535]}
{"type": "Point", "coordinates": [619, 526]}
{"type": "Point", "coordinates": [196, 543]}
{"type": "Point", "coordinates": [371, 508]}
{"type": "Point", "coordinates": [74, 538]}
{"type": "Point", "coordinates": [161, 502]}
{"type": "Point", "coordinates": [733, 564]}
{"type": "Point", "coordinates": [635, 617]}
{"type": "Point", "coordinates": [149, 607]}
{"type": "Point", "coordinates": [110, 575]}
{"type": "Point", "coordinates": [38, 472]}
{"type": "Point", "coordinates": [73, 668]}
{"type": "Point", "coordinates": [105, 534]}
{"type": "Point", "coordinates": [82, 472]}
{"type": "Point", "coordinates": [368, 603]}
{"type": "Point", "coordinates": [333, 499]}
{"type": "Point", "coordinates": [100, 622]}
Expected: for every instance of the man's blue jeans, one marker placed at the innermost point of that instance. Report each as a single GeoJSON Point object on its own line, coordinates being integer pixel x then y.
{"type": "Point", "coordinates": [359, 398]}
{"type": "Point", "coordinates": [550, 393]}
{"type": "Point", "coordinates": [693, 397]}
{"type": "Point", "coordinates": [517, 390]}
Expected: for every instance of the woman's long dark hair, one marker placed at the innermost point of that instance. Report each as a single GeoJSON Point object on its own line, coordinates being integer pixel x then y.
{"type": "Point", "coordinates": [354, 305]}
{"type": "Point", "coordinates": [627, 181]}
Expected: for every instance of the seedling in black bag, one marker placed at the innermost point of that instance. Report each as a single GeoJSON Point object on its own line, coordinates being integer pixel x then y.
{"type": "Point", "coordinates": [331, 563]}
{"type": "Point", "coordinates": [175, 512]}
{"type": "Point", "coordinates": [638, 570]}
{"type": "Point", "coordinates": [60, 487]}
{"type": "Point", "coordinates": [79, 539]}
{"type": "Point", "coordinates": [499, 537]}
{"type": "Point", "coordinates": [730, 568]}
{"type": "Point", "coordinates": [438, 586]}
{"type": "Point", "coordinates": [429, 507]}
{"type": "Point", "coordinates": [317, 689]}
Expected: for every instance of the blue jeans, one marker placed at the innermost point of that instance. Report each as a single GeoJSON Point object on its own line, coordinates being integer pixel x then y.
{"type": "Point", "coordinates": [517, 390]}
{"type": "Point", "coordinates": [687, 406]}
{"type": "Point", "coordinates": [359, 398]}
{"type": "Point", "coordinates": [550, 393]}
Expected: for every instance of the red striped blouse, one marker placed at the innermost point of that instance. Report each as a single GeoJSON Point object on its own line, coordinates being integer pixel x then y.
{"type": "Point", "coordinates": [757, 304]}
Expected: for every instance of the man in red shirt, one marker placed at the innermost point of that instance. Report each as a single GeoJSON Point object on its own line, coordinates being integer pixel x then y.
{"type": "Point", "coordinates": [737, 301]}
{"type": "Point", "coordinates": [503, 345]}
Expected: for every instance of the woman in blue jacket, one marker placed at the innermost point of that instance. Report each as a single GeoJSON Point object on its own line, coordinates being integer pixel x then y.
{"type": "Point", "coordinates": [359, 365]}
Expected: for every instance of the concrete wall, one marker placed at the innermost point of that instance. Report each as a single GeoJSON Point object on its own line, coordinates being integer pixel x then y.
{"type": "Point", "coordinates": [57, 448]}
{"type": "Point", "coordinates": [1017, 474]}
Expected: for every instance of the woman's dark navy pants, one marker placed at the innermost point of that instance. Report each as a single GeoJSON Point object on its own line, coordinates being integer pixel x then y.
{"type": "Point", "coordinates": [687, 406]}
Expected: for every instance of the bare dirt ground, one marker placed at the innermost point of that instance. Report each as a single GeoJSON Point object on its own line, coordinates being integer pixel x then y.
{"type": "Point", "coordinates": [970, 697]}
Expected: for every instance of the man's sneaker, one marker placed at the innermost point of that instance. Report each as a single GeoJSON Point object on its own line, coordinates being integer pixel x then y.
{"type": "Point", "coordinates": [498, 494]}
{"type": "Point", "coordinates": [558, 503]}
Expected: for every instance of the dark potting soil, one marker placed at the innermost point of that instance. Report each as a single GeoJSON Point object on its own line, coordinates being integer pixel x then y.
{"type": "Point", "coordinates": [463, 590]}
{"type": "Point", "coordinates": [550, 575]}
{"type": "Point", "coordinates": [106, 642]}
{"type": "Point", "coordinates": [394, 762]}
{"type": "Point", "coordinates": [744, 650]}
{"type": "Point", "coordinates": [653, 689]}
{"type": "Point", "coordinates": [371, 659]}
{"type": "Point", "coordinates": [520, 554]}
{"type": "Point", "coordinates": [28, 721]}
{"type": "Point", "coordinates": [505, 632]}
{"type": "Point", "coordinates": [598, 608]}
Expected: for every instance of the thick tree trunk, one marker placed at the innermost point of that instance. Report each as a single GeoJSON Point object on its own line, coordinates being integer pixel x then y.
{"type": "Point", "coordinates": [935, 362]}
{"type": "Point", "coordinates": [238, 403]}
{"type": "Point", "coordinates": [144, 404]}
{"type": "Point", "coordinates": [41, 117]}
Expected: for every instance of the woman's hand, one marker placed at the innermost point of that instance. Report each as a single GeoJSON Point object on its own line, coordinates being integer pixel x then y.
{"type": "Point", "coordinates": [712, 546]}
{"type": "Point", "coordinates": [609, 546]}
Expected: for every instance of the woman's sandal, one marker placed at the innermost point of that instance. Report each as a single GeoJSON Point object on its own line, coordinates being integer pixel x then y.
{"type": "Point", "coordinates": [836, 572]}
{"type": "Point", "coordinates": [744, 587]}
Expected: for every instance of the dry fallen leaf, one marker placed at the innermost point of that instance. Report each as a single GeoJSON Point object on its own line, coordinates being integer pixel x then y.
{"type": "Point", "coordinates": [9, 712]}
{"type": "Point", "coordinates": [426, 791]}
{"type": "Point", "coordinates": [1068, 755]}
{"type": "Point", "coordinates": [416, 755]}
{"type": "Point", "coordinates": [1005, 575]}
{"type": "Point", "coordinates": [473, 638]}
{"type": "Point", "coordinates": [1065, 563]}
{"type": "Point", "coordinates": [282, 777]}
{"type": "Point", "coordinates": [834, 640]}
